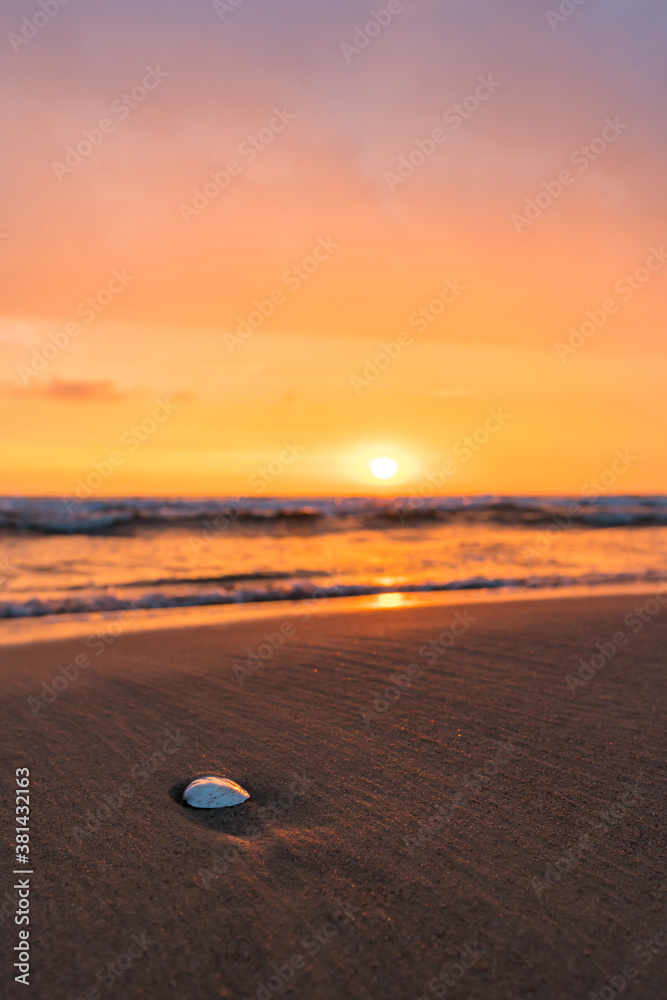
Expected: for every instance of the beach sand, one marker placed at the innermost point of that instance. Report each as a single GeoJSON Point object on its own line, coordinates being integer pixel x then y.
{"type": "Point", "coordinates": [375, 849]}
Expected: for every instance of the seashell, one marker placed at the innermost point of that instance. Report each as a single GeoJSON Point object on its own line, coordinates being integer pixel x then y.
{"type": "Point", "coordinates": [214, 793]}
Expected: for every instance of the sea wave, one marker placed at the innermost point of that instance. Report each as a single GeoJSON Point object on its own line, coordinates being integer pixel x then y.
{"type": "Point", "coordinates": [38, 607]}
{"type": "Point", "coordinates": [211, 516]}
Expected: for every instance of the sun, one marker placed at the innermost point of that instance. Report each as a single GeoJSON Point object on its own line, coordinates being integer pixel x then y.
{"type": "Point", "coordinates": [383, 468]}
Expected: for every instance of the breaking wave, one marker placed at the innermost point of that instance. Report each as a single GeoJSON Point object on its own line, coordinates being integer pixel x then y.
{"type": "Point", "coordinates": [36, 607]}
{"type": "Point", "coordinates": [106, 516]}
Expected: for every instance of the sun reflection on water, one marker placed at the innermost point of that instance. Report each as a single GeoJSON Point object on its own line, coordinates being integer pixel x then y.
{"type": "Point", "coordinates": [389, 600]}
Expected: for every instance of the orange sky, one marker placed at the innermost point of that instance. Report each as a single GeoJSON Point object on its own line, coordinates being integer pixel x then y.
{"type": "Point", "coordinates": [316, 228]}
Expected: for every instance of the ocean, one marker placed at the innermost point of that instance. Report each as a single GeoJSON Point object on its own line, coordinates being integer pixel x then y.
{"type": "Point", "coordinates": [79, 557]}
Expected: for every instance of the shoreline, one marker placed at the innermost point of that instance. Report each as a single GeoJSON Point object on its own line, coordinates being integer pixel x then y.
{"type": "Point", "coordinates": [29, 631]}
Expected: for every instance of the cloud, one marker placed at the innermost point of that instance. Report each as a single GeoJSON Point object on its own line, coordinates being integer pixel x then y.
{"type": "Point", "coordinates": [74, 392]}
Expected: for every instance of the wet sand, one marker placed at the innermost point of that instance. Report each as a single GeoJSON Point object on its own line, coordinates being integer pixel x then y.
{"type": "Point", "coordinates": [433, 811]}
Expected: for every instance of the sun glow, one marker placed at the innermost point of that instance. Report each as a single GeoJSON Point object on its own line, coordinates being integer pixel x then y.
{"type": "Point", "coordinates": [383, 468]}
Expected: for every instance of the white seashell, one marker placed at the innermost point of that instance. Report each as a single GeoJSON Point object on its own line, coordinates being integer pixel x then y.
{"type": "Point", "coordinates": [214, 793]}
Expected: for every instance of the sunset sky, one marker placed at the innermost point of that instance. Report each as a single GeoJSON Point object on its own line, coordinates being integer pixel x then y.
{"type": "Point", "coordinates": [352, 193]}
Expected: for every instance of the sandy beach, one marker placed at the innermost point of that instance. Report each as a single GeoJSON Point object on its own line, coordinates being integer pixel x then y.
{"type": "Point", "coordinates": [435, 809]}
